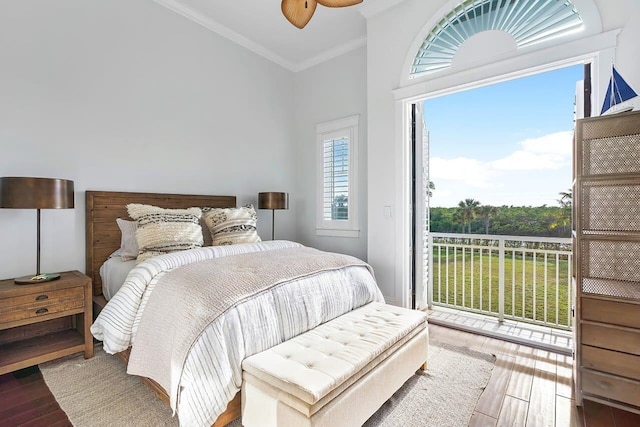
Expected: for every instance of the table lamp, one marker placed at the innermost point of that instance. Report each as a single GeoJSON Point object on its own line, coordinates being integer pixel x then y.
{"type": "Point", "coordinates": [273, 201]}
{"type": "Point", "coordinates": [36, 193]}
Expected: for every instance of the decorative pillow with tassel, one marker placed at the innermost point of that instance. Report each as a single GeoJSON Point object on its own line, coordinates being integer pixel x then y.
{"type": "Point", "coordinates": [161, 231]}
{"type": "Point", "coordinates": [230, 226]}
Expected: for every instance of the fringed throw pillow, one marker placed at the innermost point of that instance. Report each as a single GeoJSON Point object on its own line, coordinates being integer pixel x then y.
{"type": "Point", "coordinates": [160, 231]}
{"type": "Point", "coordinates": [230, 226]}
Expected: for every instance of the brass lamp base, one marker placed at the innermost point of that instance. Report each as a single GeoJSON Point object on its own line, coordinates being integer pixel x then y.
{"type": "Point", "coordinates": [40, 278]}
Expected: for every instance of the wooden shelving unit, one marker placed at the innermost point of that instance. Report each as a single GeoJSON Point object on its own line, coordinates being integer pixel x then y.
{"type": "Point", "coordinates": [607, 260]}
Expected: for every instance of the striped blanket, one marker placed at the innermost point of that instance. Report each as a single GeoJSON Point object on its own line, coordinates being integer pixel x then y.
{"type": "Point", "coordinates": [212, 374]}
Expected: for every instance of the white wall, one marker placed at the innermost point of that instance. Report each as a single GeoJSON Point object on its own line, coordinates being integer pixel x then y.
{"type": "Point", "coordinates": [390, 35]}
{"type": "Point", "coordinates": [624, 14]}
{"type": "Point", "coordinates": [126, 95]}
{"type": "Point", "coordinates": [331, 90]}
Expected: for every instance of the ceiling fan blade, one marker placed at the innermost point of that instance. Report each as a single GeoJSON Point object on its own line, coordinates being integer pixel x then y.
{"type": "Point", "coordinates": [338, 3]}
{"type": "Point", "coordinates": [298, 12]}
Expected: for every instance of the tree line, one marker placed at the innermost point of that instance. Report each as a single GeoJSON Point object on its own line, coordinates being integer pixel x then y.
{"type": "Point", "coordinates": [472, 217]}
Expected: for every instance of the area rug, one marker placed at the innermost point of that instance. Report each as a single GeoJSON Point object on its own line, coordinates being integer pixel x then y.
{"type": "Point", "coordinates": [97, 392]}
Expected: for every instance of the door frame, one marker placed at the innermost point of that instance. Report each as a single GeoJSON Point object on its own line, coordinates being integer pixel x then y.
{"type": "Point", "coordinates": [599, 50]}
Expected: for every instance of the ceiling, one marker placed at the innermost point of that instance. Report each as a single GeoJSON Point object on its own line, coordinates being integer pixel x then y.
{"type": "Point", "coordinates": [260, 26]}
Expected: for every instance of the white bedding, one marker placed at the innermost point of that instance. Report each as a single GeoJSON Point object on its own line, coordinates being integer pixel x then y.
{"type": "Point", "coordinates": [113, 273]}
{"type": "Point", "coordinates": [212, 373]}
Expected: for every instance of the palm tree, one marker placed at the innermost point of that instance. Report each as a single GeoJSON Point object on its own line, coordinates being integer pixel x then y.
{"type": "Point", "coordinates": [566, 198]}
{"type": "Point", "coordinates": [563, 219]}
{"type": "Point", "coordinates": [487, 212]}
{"type": "Point", "coordinates": [467, 209]}
{"type": "Point", "coordinates": [457, 217]}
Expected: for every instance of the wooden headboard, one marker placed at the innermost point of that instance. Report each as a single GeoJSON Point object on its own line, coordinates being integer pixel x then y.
{"type": "Point", "coordinates": [102, 209]}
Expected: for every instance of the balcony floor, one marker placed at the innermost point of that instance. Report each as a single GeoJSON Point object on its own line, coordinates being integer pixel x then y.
{"type": "Point", "coordinates": [545, 338]}
{"type": "Point", "coordinates": [530, 387]}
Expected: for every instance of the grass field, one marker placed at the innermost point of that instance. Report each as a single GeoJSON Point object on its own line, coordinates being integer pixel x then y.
{"type": "Point", "coordinates": [473, 283]}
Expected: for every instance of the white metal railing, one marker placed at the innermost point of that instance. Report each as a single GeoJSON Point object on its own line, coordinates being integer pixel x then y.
{"type": "Point", "coordinates": [511, 277]}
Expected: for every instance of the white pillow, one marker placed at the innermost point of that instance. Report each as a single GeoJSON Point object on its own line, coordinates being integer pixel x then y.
{"type": "Point", "coordinates": [160, 231]}
{"type": "Point", "coordinates": [128, 242]}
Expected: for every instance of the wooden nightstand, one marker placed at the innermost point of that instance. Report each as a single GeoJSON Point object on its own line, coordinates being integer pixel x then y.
{"type": "Point", "coordinates": [45, 321]}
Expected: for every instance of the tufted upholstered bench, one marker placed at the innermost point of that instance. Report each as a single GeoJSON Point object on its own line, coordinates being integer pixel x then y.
{"type": "Point", "coordinates": [337, 374]}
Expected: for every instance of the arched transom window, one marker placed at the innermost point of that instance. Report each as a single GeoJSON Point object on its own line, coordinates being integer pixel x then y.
{"type": "Point", "coordinates": [527, 21]}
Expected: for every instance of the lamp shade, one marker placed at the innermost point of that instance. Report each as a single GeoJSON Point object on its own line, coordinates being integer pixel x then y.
{"type": "Point", "coordinates": [36, 193]}
{"type": "Point", "coordinates": [273, 200]}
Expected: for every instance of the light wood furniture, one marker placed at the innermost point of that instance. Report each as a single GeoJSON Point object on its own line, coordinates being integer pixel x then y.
{"type": "Point", "coordinates": [607, 260]}
{"type": "Point", "coordinates": [103, 238]}
{"type": "Point", "coordinates": [44, 321]}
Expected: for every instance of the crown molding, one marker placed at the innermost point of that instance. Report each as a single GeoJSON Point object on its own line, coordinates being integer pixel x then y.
{"type": "Point", "coordinates": [330, 54]}
{"type": "Point", "coordinates": [208, 23]}
{"type": "Point", "coordinates": [180, 8]}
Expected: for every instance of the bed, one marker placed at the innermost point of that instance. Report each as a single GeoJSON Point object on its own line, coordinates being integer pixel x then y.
{"type": "Point", "coordinates": [103, 238]}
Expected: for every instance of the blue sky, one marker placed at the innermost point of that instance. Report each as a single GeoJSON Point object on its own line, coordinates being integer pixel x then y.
{"type": "Point", "coordinates": [505, 144]}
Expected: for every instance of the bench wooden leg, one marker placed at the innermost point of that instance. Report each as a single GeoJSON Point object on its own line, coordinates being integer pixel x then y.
{"type": "Point", "coordinates": [424, 366]}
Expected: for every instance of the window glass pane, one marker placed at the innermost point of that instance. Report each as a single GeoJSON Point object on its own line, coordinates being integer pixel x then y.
{"type": "Point", "coordinates": [336, 179]}
{"type": "Point", "coordinates": [527, 21]}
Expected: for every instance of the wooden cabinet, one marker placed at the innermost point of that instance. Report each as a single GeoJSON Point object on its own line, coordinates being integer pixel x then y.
{"type": "Point", "coordinates": [42, 322]}
{"type": "Point", "coordinates": [607, 260]}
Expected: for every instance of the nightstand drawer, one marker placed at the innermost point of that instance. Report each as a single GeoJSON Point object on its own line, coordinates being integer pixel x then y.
{"type": "Point", "coordinates": [41, 304]}
{"type": "Point", "coordinates": [35, 320]}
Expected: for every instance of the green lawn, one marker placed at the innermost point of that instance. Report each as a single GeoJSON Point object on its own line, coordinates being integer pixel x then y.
{"type": "Point", "coordinates": [477, 289]}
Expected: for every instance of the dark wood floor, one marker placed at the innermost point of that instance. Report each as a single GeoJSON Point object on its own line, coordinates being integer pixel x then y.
{"type": "Point", "coordinates": [25, 400]}
{"type": "Point", "coordinates": [529, 388]}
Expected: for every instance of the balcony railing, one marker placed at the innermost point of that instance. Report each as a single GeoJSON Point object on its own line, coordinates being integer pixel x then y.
{"type": "Point", "coordinates": [525, 279]}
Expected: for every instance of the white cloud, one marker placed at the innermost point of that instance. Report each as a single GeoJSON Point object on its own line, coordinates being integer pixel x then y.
{"type": "Point", "coordinates": [551, 151]}
{"type": "Point", "coordinates": [470, 172]}
{"type": "Point", "coordinates": [507, 180]}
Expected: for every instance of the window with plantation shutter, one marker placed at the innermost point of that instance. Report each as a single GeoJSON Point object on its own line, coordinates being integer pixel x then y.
{"type": "Point", "coordinates": [335, 204]}
{"type": "Point", "coordinates": [337, 178]}
{"type": "Point", "coordinates": [527, 21]}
